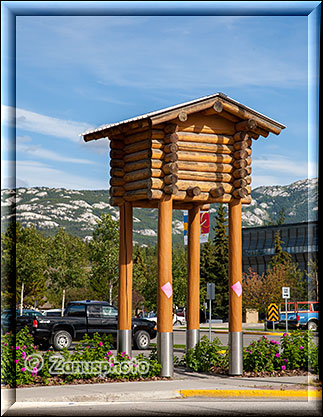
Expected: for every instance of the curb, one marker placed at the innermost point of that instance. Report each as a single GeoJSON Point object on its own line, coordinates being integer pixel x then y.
{"type": "Point", "coordinates": [253, 393]}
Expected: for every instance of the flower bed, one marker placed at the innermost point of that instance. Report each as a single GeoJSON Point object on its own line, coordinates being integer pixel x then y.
{"type": "Point", "coordinates": [294, 354]}
{"type": "Point", "coordinates": [92, 361]}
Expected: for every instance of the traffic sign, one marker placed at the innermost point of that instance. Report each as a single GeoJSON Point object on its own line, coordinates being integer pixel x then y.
{"type": "Point", "coordinates": [272, 312]}
{"type": "Point", "coordinates": [285, 292]}
{"type": "Point", "coordinates": [210, 291]}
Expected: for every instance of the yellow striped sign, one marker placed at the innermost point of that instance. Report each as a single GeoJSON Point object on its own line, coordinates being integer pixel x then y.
{"type": "Point", "coordinates": [272, 312]}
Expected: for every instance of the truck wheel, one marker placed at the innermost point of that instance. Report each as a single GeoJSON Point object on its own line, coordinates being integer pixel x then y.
{"type": "Point", "coordinates": [311, 325]}
{"type": "Point", "coordinates": [142, 340]}
{"type": "Point", "coordinates": [62, 339]}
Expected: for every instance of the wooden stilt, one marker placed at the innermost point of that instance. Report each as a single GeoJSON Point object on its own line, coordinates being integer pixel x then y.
{"type": "Point", "coordinates": [125, 280]}
{"type": "Point", "coordinates": [235, 289]}
{"type": "Point", "coordinates": [165, 286]}
{"type": "Point", "coordinates": [193, 284]}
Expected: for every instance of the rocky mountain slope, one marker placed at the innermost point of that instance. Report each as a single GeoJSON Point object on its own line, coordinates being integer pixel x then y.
{"type": "Point", "coordinates": [78, 210]}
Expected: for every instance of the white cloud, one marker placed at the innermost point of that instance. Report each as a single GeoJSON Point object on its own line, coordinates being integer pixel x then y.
{"type": "Point", "coordinates": [39, 152]}
{"type": "Point", "coordinates": [34, 174]}
{"type": "Point", "coordinates": [46, 125]}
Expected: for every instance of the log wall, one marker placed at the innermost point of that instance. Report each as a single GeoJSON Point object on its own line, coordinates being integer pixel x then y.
{"type": "Point", "coordinates": [190, 159]}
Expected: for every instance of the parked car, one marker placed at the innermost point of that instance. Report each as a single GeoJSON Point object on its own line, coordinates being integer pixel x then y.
{"type": "Point", "coordinates": [300, 315]}
{"type": "Point", "coordinates": [88, 317]}
{"type": "Point", "coordinates": [177, 320]}
{"type": "Point", "coordinates": [7, 322]}
{"type": "Point", "coordinates": [56, 312]}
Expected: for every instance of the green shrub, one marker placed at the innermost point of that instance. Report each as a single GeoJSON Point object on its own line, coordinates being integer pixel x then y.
{"type": "Point", "coordinates": [262, 355]}
{"type": "Point", "coordinates": [17, 367]}
{"type": "Point", "coordinates": [299, 350]}
{"type": "Point", "coordinates": [206, 355]}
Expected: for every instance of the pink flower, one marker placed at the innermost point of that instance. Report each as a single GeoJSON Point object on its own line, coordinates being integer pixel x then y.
{"type": "Point", "coordinates": [283, 367]}
{"type": "Point", "coordinates": [34, 372]}
{"type": "Point", "coordinates": [285, 360]}
{"type": "Point", "coordinates": [16, 360]}
{"type": "Point", "coordinates": [100, 343]}
{"type": "Point", "coordinates": [109, 353]}
{"type": "Point", "coordinates": [24, 356]}
{"type": "Point", "coordinates": [17, 347]}
{"type": "Point", "coordinates": [23, 369]}
{"type": "Point", "coordinates": [301, 347]}
{"type": "Point", "coordinates": [111, 364]}
{"type": "Point", "coordinates": [277, 355]}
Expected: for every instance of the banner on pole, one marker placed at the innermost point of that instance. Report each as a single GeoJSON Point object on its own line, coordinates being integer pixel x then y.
{"type": "Point", "coordinates": [205, 226]}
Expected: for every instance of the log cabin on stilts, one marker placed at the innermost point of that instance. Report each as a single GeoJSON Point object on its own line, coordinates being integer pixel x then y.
{"type": "Point", "coordinates": [183, 157]}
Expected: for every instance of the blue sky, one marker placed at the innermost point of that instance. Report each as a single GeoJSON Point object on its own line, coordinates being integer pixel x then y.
{"type": "Point", "coordinates": [79, 72]}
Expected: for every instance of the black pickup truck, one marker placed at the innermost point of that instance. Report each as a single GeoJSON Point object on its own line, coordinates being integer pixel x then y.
{"type": "Point", "coordinates": [88, 317]}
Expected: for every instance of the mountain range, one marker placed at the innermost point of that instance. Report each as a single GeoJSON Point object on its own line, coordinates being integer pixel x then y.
{"type": "Point", "coordinates": [78, 211]}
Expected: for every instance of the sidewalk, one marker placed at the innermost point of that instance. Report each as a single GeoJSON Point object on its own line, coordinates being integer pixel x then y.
{"type": "Point", "coordinates": [184, 384]}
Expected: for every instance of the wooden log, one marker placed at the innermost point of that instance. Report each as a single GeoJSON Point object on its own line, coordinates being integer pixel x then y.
{"type": "Point", "coordinates": [240, 163]}
{"type": "Point", "coordinates": [170, 179]}
{"type": "Point", "coordinates": [157, 134]}
{"type": "Point", "coordinates": [246, 125]}
{"type": "Point", "coordinates": [240, 154]}
{"type": "Point", "coordinates": [157, 173]}
{"type": "Point", "coordinates": [170, 128]}
{"type": "Point", "coordinates": [260, 131]}
{"type": "Point", "coordinates": [171, 138]}
{"type": "Point", "coordinates": [217, 191]}
{"type": "Point", "coordinates": [171, 157]}
{"type": "Point", "coordinates": [239, 136]}
{"type": "Point", "coordinates": [170, 189]}
{"type": "Point", "coordinates": [204, 157]}
{"type": "Point", "coordinates": [171, 148]}
{"type": "Point", "coordinates": [204, 138]}
{"type": "Point", "coordinates": [157, 163]}
{"type": "Point", "coordinates": [136, 165]}
{"type": "Point", "coordinates": [116, 191]}
{"type": "Point", "coordinates": [182, 116]}
{"type": "Point", "coordinates": [150, 183]}
{"type": "Point", "coordinates": [157, 143]}
{"type": "Point", "coordinates": [204, 176]}
{"type": "Point", "coordinates": [203, 197]}
{"type": "Point", "coordinates": [116, 154]}
{"type": "Point", "coordinates": [205, 186]}
{"type": "Point", "coordinates": [204, 124]}
{"type": "Point", "coordinates": [170, 168]}
{"type": "Point", "coordinates": [204, 166]}
{"type": "Point", "coordinates": [249, 151]}
{"type": "Point", "coordinates": [117, 144]}
{"type": "Point", "coordinates": [137, 137]}
{"type": "Point", "coordinates": [138, 156]}
{"type": "Point", "coordinates": [218, 106]}
{"type": "Point", "coordinates": [248, 169]}
{"type": "Point", "coordinates": [204, 147]}
{"type": "Point", "coordinates": [245, 114]}
{"type": "Point", "coordinates": [224, 114]}
{"type": "Point", "coordinates": [240, 173]}
{"type": "Point", "coordinates": [117, 172]}
{"type": "Point", "coordinates": [193, 191]}
{"type": "Point", "coordinates": [240, 183]}
{"type": "Point", "coordinates": [116, 201]}
{"type": "Point", "coordinates": [142, 194]}
{"type": "Point", "coordinates": [117, 163]}
{"type": "Point", "coordinates": [253, 135]}
{"type": "Point", "coordinates": [243, 144]}
{"type": "Point", "coordinates": [137, 146]}
{"type": "Point", "coordinates": [137, 175]}
{"type": "Point", "coordinates": [240, 193]}
{"type": "Point", "coordinates": [182, 205]}
{"type": "Point", "coordinates": [118, 181]}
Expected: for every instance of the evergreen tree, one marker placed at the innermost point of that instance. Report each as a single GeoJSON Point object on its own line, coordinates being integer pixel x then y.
{"type": "Point", "coordinates": [280, 255]}
{"type": "Point", "coordinates": [221, 261]}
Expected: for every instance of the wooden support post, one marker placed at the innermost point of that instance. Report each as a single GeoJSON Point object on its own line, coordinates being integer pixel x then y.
{"type": "Point", "coordinates": [124, 341]}
{"type": "Point", "coordinates": [235, 289]}
{"type": "Point", "coordinates": [165, 287]}
{"type": "Point", "coordinates": [193, 283]}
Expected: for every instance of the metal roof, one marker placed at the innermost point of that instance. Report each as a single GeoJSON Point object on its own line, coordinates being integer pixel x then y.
{"type": "Point", "coordinates": [179, 106]}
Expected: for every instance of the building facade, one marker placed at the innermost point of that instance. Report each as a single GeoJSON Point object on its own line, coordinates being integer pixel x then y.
{"type": "Point", "coordinates": [298, 239]}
